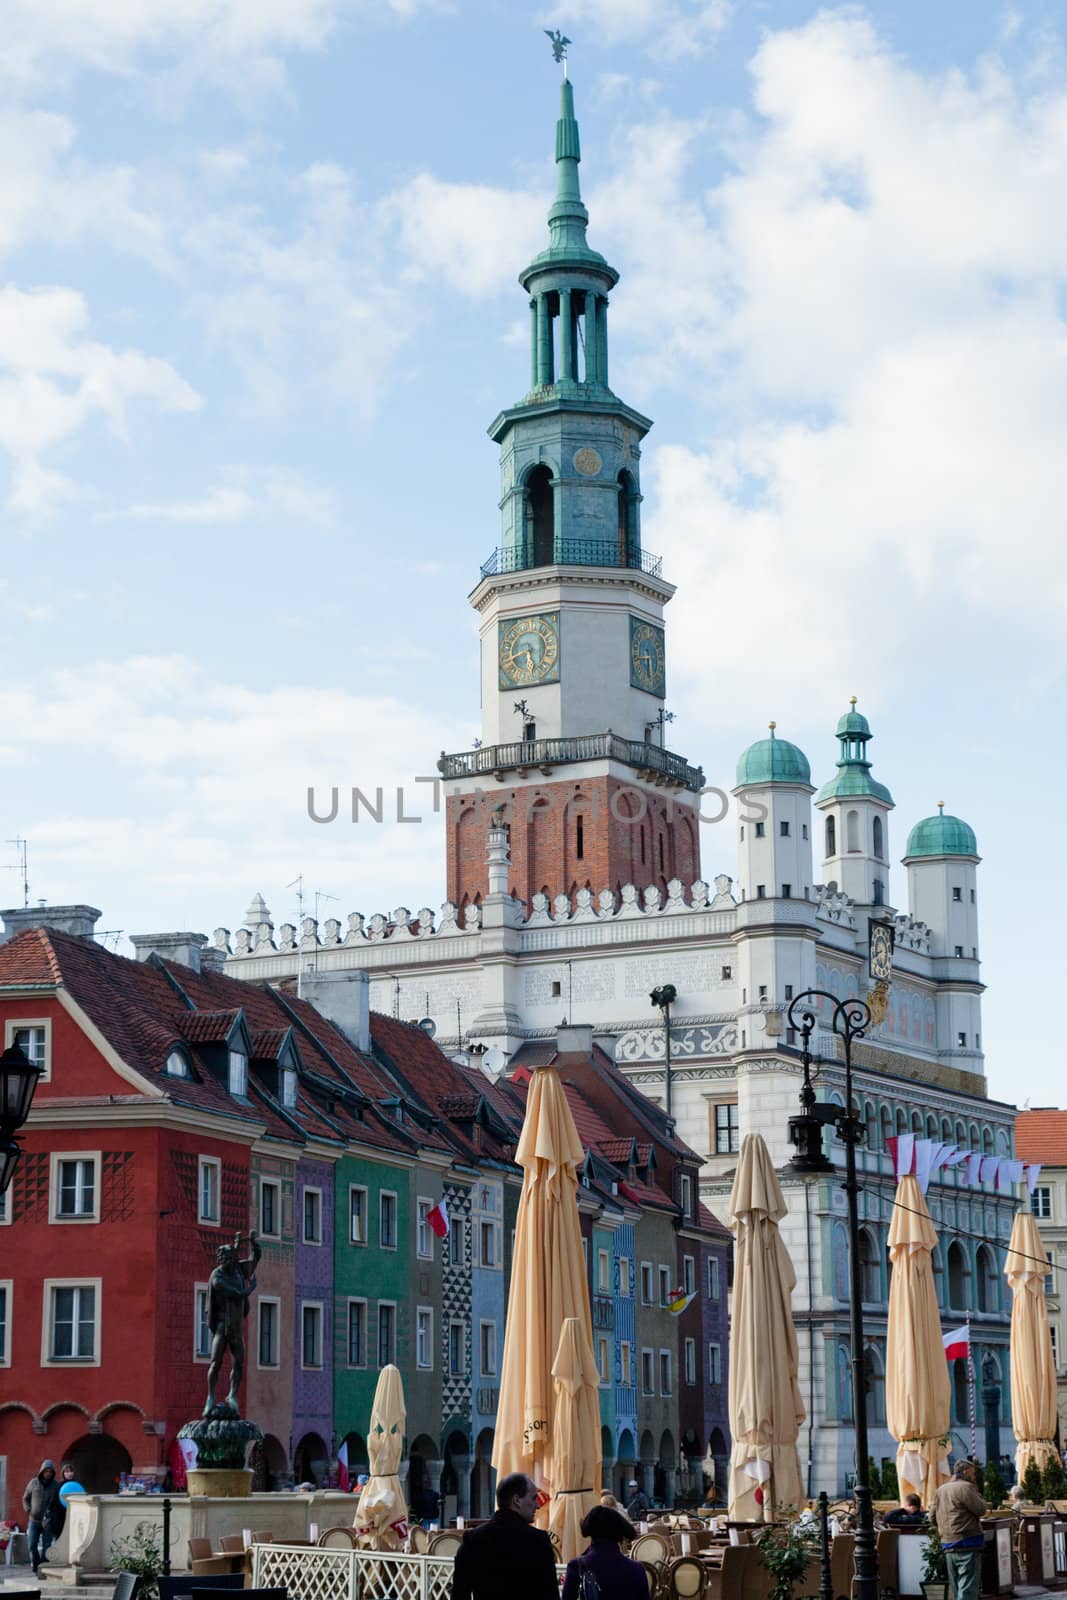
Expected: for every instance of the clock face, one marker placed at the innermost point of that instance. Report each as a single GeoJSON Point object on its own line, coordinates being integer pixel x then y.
{"type": "Point", "coordinates": [528, 650]}
{"type": "Point", "coordinates": [880, 958]}
{"type": "Point", "coordinates": [647, 662]}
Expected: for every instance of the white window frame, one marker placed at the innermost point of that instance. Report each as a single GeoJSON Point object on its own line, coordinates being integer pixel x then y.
{"type": "Point", "coordinates": [1053, 1335]}
{"type": "Point", "coordinates": [385, 1305]}
{"type": "Point", "coordinates": [666, 1287]}
{"type": "Point", "coordinates": [177, 1064]}
{"type": "Point", "coordinates": [690, 1357]}
{"type": "Point", "coordinates": [689, 1274]}
{"type": "Point", "coordinates": [603, 1359]}
{"type": "Point", "coordinates": [1046, 1214]}
{"type": "Point", "coordinates": [359, 1188]}
{"type": "Point", "coordinates": [685, 1192]}
{"type": "Point", "coordinates": [488, 1369]}
{"type": "Point", "coordinates": [648, 1283]}
{"type": "Point", "coordinates": [7, 1289]}
{"type": "Point", "coordinates": [648, 1366]}
{"type": "Point", "coordinates": [624, 1278]}
{"type": "Point", "coordinates": [13, 1025]}
{"type": "Point", "coordinates": [49, 1287]}
{"type": "Point", "coordinates": [714, 1279]}
{"type": "Point", "coordinates": [290, 1086]}
{"type": "Point", "coordinates": [356, 1300]}
{"type": "Point", "coordinates": [237, 1075]}
{"type": "Point", "coordinates": [275, 1301]}
{"type": "Point", "coordinates": [626, 1364]}
{"type": "Point", "coordinates": [603, 1271]}
{"type": "Point", "coordinates": [423, 1232]}
{"type": "Point", "coordinates": [56, 1159]}
{"type": "Point", "coordinates": [461, 1370]}
{"type": "Point", "coordinates": [665, 1365]}
{"type": "Point", "coordinates": [202, 1164]}
{"type": "Point", "coordinates": [714, 1373]}
{"type": "Point", "coordinates": [315, 1306]}
{"type": "Point", "coordinates": [496, 1265]}
{"type": "Point", "coordinates": [732, 1130]}
{"type": "Point", "coordinates": [424, 1337]}
{"type": "Point", "coordinates": [317, 1192]}
{"type": "Point", "coordinates": [383, 1195]}
{"type": "Point", "coordinates": [201, 1357]}
{"type": "Point", "coordinates": [276, 1231]}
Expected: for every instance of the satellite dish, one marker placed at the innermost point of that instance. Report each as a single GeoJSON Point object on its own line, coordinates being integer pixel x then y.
{"type": "Point", "coordinates": [428, 1025]}
{"type": "Point", "coordinates": [494, 1060]}
{"type": "Point", "coordinates": [461, 1058]}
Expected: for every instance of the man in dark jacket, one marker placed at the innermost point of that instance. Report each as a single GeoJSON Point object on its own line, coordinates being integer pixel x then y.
{"type": "Point", "coordinates": [507, 1554]}
{"type": "Point", "coordinates": [41, 1502]}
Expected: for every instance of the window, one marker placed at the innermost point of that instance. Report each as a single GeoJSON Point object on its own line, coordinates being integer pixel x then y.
{"type": "Point", "coordinates": [760, 830]}
{"type": "Point", "coordinates": [311, 1335]}
{"type": "Point", "coordinates": [487, 1243]}
{"type": "Point", "coordinates": [603, 1272]}
{"type": "Point", "coordinates": [5, 1323]}
{"type": "Point", "coordinates": [177, 1066]}
{"type": "Point", "coordinates": [713, 1278]}
{"type": "Point", "coordinates": [714, 1363]}
{"type": "Point", "coordinates": [387, 1220]}
{"type": "Point", "coordinates": [648, 1372]}
{"type": "Point", "coordinates": [664, 1285]}
{"type": "Point", "coordinates": [783, 828]}
{"type": "Point", "coordinates": [624, 1277]}
{"type": "Point", "coordinates": [269, 1331]}
{"type": "Point", "coordinates": [957, 895]}
{"type": "Point", "coordinates": [1041, 1202]}
{"type": "Point", "coordinates": [201, 1331]}
{"type": "Point", "coordinates": [289, 1087]}
{"type": "Point", "coordinates": [763, 991]}
{"type": "Point", "coordinates": [789, 991]}
{"type": "Point", "coordinates": [1050, 1276]}
{"type": "Point", "coordinates": [71, 1330]}
{"type": "Point", "coordinates": [1053, 1335]}
{"type": "Point", "coordinates": [761, 891]}
{"type": "Point", "coordinates": [961, 1040]}
{"type": "Point", "coordinates": [312, 1216]}
{"type": "Point", "coordinates": [579, 837]}
{"type": "Point", "coordinates": [689, 1274]}
{"type": "Point", "coordinates": [209, 1184]}
{"type": "Point", "coordinates": [665, 1372]}
{"type": "Point", "coordinates": [727, 974]}
{"type": "Point", "coordinates": [876, 830]}
{"type": "Point", "coordinates": [690, 1361]}
{"type": "Point", "coordinates": [33, 1035]}
{"type": "Point", "coordinates": [803, 830]}
{"type": "Point", "coordinates": [456, 1238]}
{"type": "Point", "coordinates": [831, 838]}
{"type": "Point", "coordinates": [557, 988]}
{"type": "Point", "coordinates": [603, 1359]}
{"type": "Point", "coordinates": [685, 1191]}
{"type": "Point", "coordinates": [423, 1231]}
{"type": "Point", "coordinates": [727, 1129]}
{"type": "Point", "coordinates": [357, 1215]}
{"type": "Point", "coordinates": [646, 1283]}
{"type": "Point", "coordinates": [424, 1337]}
{"type": "Point", "coordinates": [626, 1373]}
{"type": "Point", "coordinates": [270, 1208]}
{"type": "Point", "coordinates": [972, 897]}
{"type": "Point", "coordinates": [787, 891]}
{"type": "Point", "coordinates": [75, 1188]}
{"type": "Point", "coordinates": [487, 1349]}
{"type": "Point", "coordinates": [386, 1333]}
{"type": "Point", "coordinates": [357, 1333]}
{"type": "Point", "coordinates": [457, 1349]}
{"type": "Point", "coordinates": [238, 1072]}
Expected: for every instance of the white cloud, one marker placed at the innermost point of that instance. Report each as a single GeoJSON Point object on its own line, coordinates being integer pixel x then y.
{"type": "Point", "coordinates": [673, 29]}
{"type": "Point", "coordinates": [245, 494]}
{"type": "Point", "coordinates": [474, 236]}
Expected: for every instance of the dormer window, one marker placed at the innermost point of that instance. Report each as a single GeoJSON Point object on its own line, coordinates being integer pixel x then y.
{"type": "Point", "coordinates": [177, 1066]}
{"type": "Point", "coordinates": [289, 1087]}
{"type": "Point", "coordinates": [238, 1073]}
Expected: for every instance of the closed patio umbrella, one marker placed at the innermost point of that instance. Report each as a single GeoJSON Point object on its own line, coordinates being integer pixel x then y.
{"type": "Point", "coordinates": [576, 1444]}
{"type": "Point", "coordinates": [548, 1285]}
{"type": "Point", "coordinates": [917, 1391]}
{"type": "Point", "coordinates": [1033, 1376]}
{"type": "Point", "coordinates": [381, 1511]}
{"type": "Point", "coordinates": [765, 1405]}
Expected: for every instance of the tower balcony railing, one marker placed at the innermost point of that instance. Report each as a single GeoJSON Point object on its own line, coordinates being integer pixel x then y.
{"type": "Point", "coordinates": [640, 754]}
{"type": "Point", "coordinates": [573, 553]}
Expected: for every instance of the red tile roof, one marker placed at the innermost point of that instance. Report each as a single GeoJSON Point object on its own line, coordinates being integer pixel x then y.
{"type": "Point", "coordinates": [205, 1027]}
{"type": "Point", "coordinates": [1042, 1136]}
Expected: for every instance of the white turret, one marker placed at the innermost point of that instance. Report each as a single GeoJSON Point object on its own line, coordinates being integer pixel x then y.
{"type": "Point", "coordinates": [855, 826]}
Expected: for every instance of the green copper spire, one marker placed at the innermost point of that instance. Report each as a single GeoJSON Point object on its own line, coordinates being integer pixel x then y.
{"type": "Point", "coordinates": [568, 219]}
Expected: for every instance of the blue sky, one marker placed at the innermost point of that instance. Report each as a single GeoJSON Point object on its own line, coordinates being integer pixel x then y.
{"type": "Point", "coordinates": [258, 306]}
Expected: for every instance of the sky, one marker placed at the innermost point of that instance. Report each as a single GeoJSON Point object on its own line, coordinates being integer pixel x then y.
{"type": "Point", "coordinates": [258, 306]}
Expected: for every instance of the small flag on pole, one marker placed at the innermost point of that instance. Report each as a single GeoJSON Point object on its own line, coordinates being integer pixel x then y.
{"type": "Point", "coordinates": [342, 1468]}
{"type": "Point", "coordinates": [957, 1343]}
{"type": "Point", "coordinates": [677, 1301]}
{"type": "Point", "coordinates": [438, 1218]}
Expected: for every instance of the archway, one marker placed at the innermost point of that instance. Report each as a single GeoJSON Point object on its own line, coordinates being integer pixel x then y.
{"type": "Point", "coordinates": [311, 1460]}
{"type": "Point", "coordinates": [269, 1464]}
{"type": "Point", "coordinates": [422, 1491]}
{"type": "Point", "coordinates": [99, 1462]}
{"type": "Point", "coordinates": [957, 1276]}
{"type": "Point", "coordinates": [625, 1466]}
{"type": "Point", "coordinates": [457, 1461]}
{"type": "Point", "coordinates": [666, 1468]}
{"type": "Point", "coordinates": [483, 1478]}
{"type": "Point", "coordinates": [720, 1454]}
{"type": "Point", "coordinates": [540, 518]}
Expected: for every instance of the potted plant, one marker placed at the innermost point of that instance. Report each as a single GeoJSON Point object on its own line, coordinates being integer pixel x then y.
{"type": "Point", "coordinates": [1032, 1486]}
{"type": "Point", "coordinates": [140, 1552]}
{"type": "Point", "coordinates": [785, 1549]}
{"type": "Point", "coordinates": [993, 1490]}
{"type": "Point", "coordinates": [934, 1580]}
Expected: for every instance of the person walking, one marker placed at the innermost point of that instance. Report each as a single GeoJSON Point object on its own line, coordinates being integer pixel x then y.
{"type": "Point", "coordinates": [637, 1501]}
{"type": "Point", "coordinates": [617, 1577]}
{"type": "Point", "coordinates": [957, 1509]}
{"type": "Point", "coordinates": [507, 1553]}
{"type": "Point", "coordinates": [40, 1500]}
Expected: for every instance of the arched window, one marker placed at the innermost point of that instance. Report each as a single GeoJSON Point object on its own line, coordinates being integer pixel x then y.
{"type": "Point", "coordinates": [988, 1280]}
{"type": "Point", "coordinates": [957, 1276]}
{"type": "Point", "coordinates": [870, 1277]}
{"type": "Point", "coordinates": [987, 1141]}
{"type": "Point", "coordinates": [886, 1119]}
{"type": "Point", "coordinates": [961, 1136]}
{"type": "Point", "coordinates": [931, 1126]}
{"type": "Point", "coordinates": [840, 1261]}
{"type": "Point", "coordinates": [540, 518]}
{"type": "Point", "coordinates": [902, 1120]}
{"type": "Point", "coordinates": [961, 1399]}
{"type": "Point", "coordinates": [917, 1123]}
{"type": "Point", "coordinates": [877, 833]}
{"type": "Point", "coordinates": [844, 1385]}
{"type": "Point", "coordinates": [852, 831]}
{"type": "Point", "coordinates": [874, 1383]}
{"type": "Point", "coordinates": [870, 1120]}
{"type": "Point", "coordinates": [629, 534]}
{"type": "Point", "coordinates": [831, 837]}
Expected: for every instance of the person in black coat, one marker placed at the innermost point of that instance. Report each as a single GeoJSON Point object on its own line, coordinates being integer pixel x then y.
{"type": "Point", "coordinates": [618, 1578]}
{"type": "Point", "coordinates": [507, 1554]}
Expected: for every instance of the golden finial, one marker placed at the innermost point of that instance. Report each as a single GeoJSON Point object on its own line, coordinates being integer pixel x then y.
{"type": "Point", "coordinates": [772, 726]}
{"type": "Point", "coordinates": [941, 805]}
{"type": "Point", "coordinates": [852, 700]}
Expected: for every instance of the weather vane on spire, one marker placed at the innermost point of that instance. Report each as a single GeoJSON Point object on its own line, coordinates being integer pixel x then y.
{"type": "Point", "coordinates": [559, 46]}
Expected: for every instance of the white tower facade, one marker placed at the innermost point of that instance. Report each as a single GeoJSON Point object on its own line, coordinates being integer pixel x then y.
{"type": "Point", "coordinates": [942, 861]}
{"type": "Point", "coordinates": [855, 825]}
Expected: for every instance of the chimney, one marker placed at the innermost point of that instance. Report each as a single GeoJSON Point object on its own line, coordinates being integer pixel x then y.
{"type": "Point", "coordinates": [80, 920]}
{"type": "Point", "coordinates": [184, 948]}
{"type": "Point", "coordinates": [343, 998]}
{"type": "Point", "coordinates": [575, 1038]}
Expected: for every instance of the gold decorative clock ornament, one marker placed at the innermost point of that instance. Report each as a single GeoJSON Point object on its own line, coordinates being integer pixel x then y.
{"type": "Point", "coordinates": [528, 650]}
{"type": "Point", "coordinates": [647, 657]}
{"type": "Point", "coordinates": [880, 950]}
{"type": "Point", "coordinates": [587, 461]}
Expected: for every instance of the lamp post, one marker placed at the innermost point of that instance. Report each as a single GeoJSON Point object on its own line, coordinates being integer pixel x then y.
{"type": "Point", "coordinates": [664, 997]}
{"type": "Point", "coordinates": [19, 1077]}
{"type": "Point", "coordinates": [850, 1021]}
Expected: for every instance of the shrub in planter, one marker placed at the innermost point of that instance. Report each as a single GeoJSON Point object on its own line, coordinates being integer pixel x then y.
{"type": "Point", "coordinates": [140, 1552]}
{"type": "Point", "coordinates": [785, 1550]}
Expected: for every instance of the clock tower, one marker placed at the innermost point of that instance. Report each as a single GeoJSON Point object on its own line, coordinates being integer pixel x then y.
{"type": "Point", "coordinates": [573, 653]}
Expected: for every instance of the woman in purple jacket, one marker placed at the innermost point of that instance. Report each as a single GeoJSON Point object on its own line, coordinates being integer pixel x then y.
{"type": "Point", "coordinates": [618, 1578]}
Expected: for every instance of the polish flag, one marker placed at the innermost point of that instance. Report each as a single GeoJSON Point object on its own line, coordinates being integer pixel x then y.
{"type": "Point", "coordinates": [438, 1218]}
{"type": "Point", "coordinates": [957, 1343]}
{"type": "Point", "coordinates": [342, 1468]}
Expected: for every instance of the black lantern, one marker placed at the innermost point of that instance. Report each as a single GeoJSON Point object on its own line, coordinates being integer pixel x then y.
{"type": "Point", "coordinates": [19, 1077]}
{"type": "Point", "coordinates": [9, 1155]}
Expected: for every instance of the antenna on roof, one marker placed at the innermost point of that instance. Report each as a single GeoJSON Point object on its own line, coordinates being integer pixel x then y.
{"type": "Point", "coordinates": [22, 850]}
{"type": "Point", "coordinates": [108, 937]}
{"type": "Point", "coordinates": [298, 883]}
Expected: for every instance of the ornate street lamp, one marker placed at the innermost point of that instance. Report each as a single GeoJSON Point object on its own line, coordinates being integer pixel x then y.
{"type": "Point", "coordinates": [850, 1020]}
{"type": "Point", "coordinates": [19, 1077]}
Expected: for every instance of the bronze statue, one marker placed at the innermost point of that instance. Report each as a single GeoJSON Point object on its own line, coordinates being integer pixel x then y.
{"type": "Point", "coordinates": [229, 1292]}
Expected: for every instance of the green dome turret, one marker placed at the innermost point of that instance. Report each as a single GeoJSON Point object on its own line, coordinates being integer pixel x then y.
{"type": "Point", "coordinates": [773, 761]}
{"type": "Point", "coordinates": [853, 777]}
{"type": "Point", "coordinates": [941, 836]}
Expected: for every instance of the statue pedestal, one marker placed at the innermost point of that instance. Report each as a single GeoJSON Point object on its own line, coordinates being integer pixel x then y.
{"type": "Point", "coordinates": [220, 1483]}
